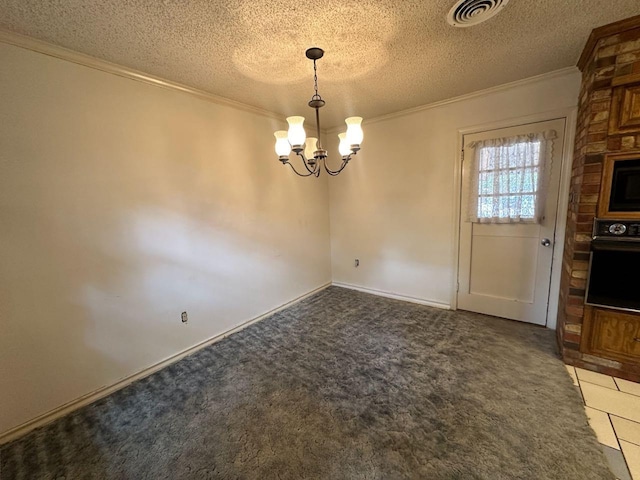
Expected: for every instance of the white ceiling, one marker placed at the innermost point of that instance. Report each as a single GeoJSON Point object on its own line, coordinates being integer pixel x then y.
{"type": "Point", "coordinates": [381, 56]}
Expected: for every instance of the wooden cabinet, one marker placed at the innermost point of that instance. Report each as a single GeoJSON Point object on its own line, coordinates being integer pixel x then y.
{"type": "Point", "coordinates": [611, 334]}
{"type": "Point", "coordinates": [624, 117]}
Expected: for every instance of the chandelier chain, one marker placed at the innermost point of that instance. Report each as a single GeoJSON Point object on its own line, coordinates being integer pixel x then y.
{"type": "Point", "coordinates": [315, 79]}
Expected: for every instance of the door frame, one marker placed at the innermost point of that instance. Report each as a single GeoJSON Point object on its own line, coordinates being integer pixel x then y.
{"type": "Point", "coordinates": [570, 117]}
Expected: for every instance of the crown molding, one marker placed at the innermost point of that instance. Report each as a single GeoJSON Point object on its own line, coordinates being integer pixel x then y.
{"type": "Point", "coordinates": [46, 48]}
{"type": "Point", "coordinates": [469, 96]}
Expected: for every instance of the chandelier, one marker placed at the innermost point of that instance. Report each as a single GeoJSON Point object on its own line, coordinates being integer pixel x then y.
{"type": "Point", "coordinates": [310, 149]}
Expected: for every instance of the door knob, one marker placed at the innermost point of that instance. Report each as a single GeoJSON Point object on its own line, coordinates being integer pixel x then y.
{"type": "Point", "coordinates": [545, 242]}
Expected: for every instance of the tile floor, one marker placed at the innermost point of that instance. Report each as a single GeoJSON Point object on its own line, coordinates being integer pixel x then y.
{"type": "Point", "coordinates": [613, 409]}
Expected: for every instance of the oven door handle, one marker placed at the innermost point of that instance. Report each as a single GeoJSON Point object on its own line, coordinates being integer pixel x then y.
{"type": "Point", "coordinates": [615, 245]}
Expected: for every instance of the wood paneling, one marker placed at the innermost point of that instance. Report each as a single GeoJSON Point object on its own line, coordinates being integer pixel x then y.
{"type": "Point", "coordinates": [625, 79]}
{"type": "Point", "coordinates": [624, 117]}
{"type": "Point", "coordinates": [630, 109]}
{"type": "Point", "coordinates": [612, 334]}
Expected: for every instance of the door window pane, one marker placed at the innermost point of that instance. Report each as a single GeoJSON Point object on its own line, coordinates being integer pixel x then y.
{"type": "Point", "coordinates": [508, 179]}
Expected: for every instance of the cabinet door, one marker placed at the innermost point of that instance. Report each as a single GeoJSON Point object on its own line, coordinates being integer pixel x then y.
{"type": "Point", "coordinates": [625, 110]}
{"type": "Point", "coordinates": [612, 334]}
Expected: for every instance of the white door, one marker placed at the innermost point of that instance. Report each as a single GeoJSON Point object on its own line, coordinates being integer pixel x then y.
{"type": "Point", "coordinates": [505, 268]}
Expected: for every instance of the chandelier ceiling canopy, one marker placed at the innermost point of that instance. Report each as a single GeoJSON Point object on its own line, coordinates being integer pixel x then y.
{"type": "Point", "coordinates": [309, 149]}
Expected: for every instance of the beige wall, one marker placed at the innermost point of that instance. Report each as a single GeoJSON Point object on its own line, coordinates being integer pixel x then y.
{"type": "Point", "coordinates": [394, 210]}
{"type": "Point", "coordinates": [122, 205]}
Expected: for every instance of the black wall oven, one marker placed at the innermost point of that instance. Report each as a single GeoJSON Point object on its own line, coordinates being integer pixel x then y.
{"type": "Point", "coordinates": [614, 266]}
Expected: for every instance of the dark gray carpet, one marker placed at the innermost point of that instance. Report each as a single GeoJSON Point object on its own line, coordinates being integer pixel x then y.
{"type": "Point", "coordinates": [343, 385]}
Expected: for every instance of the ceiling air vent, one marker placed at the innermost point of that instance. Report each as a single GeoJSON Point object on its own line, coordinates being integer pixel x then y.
{"type": "Point", "coordinates": [466, 13]}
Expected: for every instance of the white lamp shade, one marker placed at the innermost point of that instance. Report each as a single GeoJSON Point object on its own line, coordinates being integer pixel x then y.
{"type": "Point", "coordinates": [354, 130]}
{"type": "Point", "coordinates": [344, 147]}
{"type": "Point", "coordinates": [296, 133]}
{"type": "Point", "coordinates": [283, 148]}
{"type": "Point", "coordinates": [311, 146]}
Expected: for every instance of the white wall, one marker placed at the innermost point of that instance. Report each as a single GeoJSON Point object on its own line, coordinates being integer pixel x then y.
{"type": "Point", "coordinates": [122, 205]}
{"type": "Point", "coordinates": [394, 210]}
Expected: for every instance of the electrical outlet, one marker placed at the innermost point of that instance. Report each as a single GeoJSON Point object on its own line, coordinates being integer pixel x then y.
{"type": "Point", "coordinates": [356, 263]}
{"type": "Point", "coordinates": [184, 317]}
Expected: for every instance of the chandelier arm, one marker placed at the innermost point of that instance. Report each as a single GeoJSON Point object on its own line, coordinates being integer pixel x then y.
{"type": "Point", "coordinates": [336, 173]}
{"type": "Point", "coordinates": [306, 165]}
{"type": "Point", "coordinates": [333, 173]}
{"type": "Point", "coordinates": [297, 173]}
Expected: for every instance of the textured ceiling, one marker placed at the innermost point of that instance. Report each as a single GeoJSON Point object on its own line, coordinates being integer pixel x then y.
{"type": "Point", "coordinates": [381, 56]}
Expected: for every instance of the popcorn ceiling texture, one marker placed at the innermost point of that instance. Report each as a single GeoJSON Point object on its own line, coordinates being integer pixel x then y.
{"type": "Point", "coordinates": [382, 56]}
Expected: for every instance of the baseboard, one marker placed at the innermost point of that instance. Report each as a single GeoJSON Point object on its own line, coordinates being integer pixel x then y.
{"type": "Point", "coordinates": [84, 400]}
{"type": "Point", "coordinates": [397, 296]}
